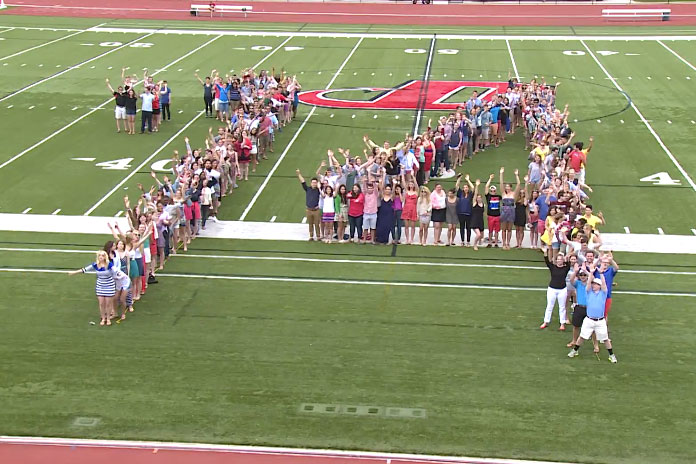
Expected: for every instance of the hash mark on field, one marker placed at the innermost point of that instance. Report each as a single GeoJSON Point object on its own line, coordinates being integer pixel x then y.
{"type": "Point", "coordinates": [10, 106]}
{"type": "Point", "coordinates": [26, 211]}
{"type": "Point", "coordinates": [660, 231]}
{"type": "Point", "coordinates": [304, 220]}
{"type": "Point", "coordinates": [55, 212]}
{"type": "Point", "coordinates": [669, 78]}
{"type": "Point", "coordinates": [273, 218]}
{"type": "Point", "coordinates": [41, 65]}
{"type": "Point", "coordinates": [649, 78]}
{"type": "Point", "coordinates": [669, 122]}
{"type": "Point", "coordinates": [181, 111]}
{"type": "Point", "coordinates": [118, 214]}
{"type": "Point", "coordinates": [53, 108]}
{"type": "Point", "coordinates": [622, 121]}
{"type": "Point", "coordinates": [627, 230]}
{"type": "Point", "coordinates": [693, 231]}
{"type": "Point", "coordinates": [92, 67]}
{"type": "Point", "coordinates": [331, 115]}
{"type": "Point", "coordinates": [22, 65]}
{"type": "Point", "coordinates": [396, 117]}
{"type": "Point", "coordinates": [110, 67]}
{"type": "Point", "coordinates": [58, 66]}
{"type": "Point", "coordinates": [32, 107]}
{"type": "Point", "coordinates": [74, 108]}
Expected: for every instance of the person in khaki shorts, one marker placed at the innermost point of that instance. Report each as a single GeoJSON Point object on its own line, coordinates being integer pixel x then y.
{"type": "Point", "coordinates": [312, 203]}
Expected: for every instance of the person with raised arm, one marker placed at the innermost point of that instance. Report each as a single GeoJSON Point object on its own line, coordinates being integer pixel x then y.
{"type": "Point", "coordinates": [120, 110]}
{"type": "Point", "coordinates": [507, 208]}
{"type": "Point", "coordinates": [312, 206]}
{"type": "Point", "coordinates": [493, 200]}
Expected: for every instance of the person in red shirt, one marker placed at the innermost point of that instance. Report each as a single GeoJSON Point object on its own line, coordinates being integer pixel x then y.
{"type": "Point", "coordinates": [356, 205]}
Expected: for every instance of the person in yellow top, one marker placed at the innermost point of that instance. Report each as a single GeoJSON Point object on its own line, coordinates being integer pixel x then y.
{"type": "Point", "coordinates": [542, 149]}
{"type": "Point", "coordinates": [386, 149]}
{"type": "Point", "coordinates": [593, 220]}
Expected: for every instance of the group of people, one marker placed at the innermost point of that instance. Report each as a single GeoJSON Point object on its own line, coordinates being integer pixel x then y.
{"type": "Point", "coordinates": [171, 213]}
{"type": "Point", "coordinates": [154, 98]}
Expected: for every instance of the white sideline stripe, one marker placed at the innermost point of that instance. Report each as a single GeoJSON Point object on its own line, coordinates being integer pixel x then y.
{"type": "Point", "coordinates": [640, 115]}
{"type": "Point", "coordinates": [308, 280]}
{"type": "Point", "coordinates": [93, 110]}
{"type": "Point", "coordinates": [260, 450]}
{"type": "Point", "coordinates": [677, 55]}
{"type": "Point", "coordinates": [343, 261]}
{"type": "Point", "coordinates": [21, 52]}
{"type": "Point", "coordinates": [282, 156]}
{"type": "Point", "coordinates": [77, 66]}
{"type": "Point", "coordinates": [426, 77]}
{"type": "Point", "coordinates": [141, 165]}
{"type": "Point", "coordinates": [512, 58]}
{"type": "Point", "coordinates": [354, 35]}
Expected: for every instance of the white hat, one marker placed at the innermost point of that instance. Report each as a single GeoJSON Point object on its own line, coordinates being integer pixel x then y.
{"type": "Point", "coordinates": [597, 281]}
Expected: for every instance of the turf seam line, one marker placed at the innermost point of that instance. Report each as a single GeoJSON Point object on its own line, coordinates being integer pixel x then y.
{"type": "Point", "coordinates": [643, 120]}
{"type": "Point", "coordinates": [75, 66]}
{"type": "Point", "coordinates": [260, 450]}
{"type": "Point", "coordinates": [282, 156]}
{"type": "Point", "coordinates": [316, 280]}
{"type": "Point", "coordinates": [423, 93]}
{"type": "Point", "coordinates": [344, 261]}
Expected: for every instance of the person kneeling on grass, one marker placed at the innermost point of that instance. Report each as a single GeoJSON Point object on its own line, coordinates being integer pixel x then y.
{"type": "Point", "coordinates": [594, 322]}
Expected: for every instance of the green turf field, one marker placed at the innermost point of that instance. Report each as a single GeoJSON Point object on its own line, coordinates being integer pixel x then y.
{"type": "Point", "coordinates": [239, 334]}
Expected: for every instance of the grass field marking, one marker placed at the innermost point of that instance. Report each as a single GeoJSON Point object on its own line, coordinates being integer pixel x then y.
{"type": "Point", "coordinates": [426, 79]}
{"type": "Point", "coordinates": [272, 52]}
{"type": "Point", "coordinates": [282, 156]}
{"type": "Point", "coordinates": [142, 165]}
{"type": "Point", "coordinates": [261, 450]}
{"type": "Point", "coordinates": [356, 35]}
{"type": "Point", "coordinates": [76, 66]}
{"type": "Point", "coordinates": [345, 261]}
{"type": "Point", "coordinates": [512, 59]}
{"type": "Point", "coordinates": [7, 29]}
{"type": "Point", "coordinates": [642, 118]}
{"type": "Point", "coordinates": [21, 52]}
{"type": "Point", "coordinates": [677, 55]}
{"type": "Point", "coordinates": [309, 280]}
{"type": "Point", "coordinates": [95, 109]}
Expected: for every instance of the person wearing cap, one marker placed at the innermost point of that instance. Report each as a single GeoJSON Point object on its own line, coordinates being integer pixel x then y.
{"type": "Point", "coordinates": [578, 279]}
{"type": "Point", "coordinates": [594, 322]}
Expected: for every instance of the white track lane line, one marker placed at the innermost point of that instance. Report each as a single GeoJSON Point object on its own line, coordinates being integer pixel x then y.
{"type": "Point", "coordinates": [512, 59]}
{"type": "Point", "coordinates": [677, 55]}
{"type": "Point", "coordinates": [77, 66]}
{"type": "Point", "coordinates": [294, 137]}
{"type": "Point", "coordinates": [307, 280]}
{"type": "Point", "coordinates": [95, 109]}
{"type": "Point", "coordinates": [426, 78]}
{"type": "Point", "coordinates": [642, 118]}
{"type": "Point", "coordinates": [21, 52]}
{"type": "Point", "coordinates": [141, 165]}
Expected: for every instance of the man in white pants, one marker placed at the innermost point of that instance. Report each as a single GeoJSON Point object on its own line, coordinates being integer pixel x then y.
{"type": "Point", "coordinates": [595, 322]}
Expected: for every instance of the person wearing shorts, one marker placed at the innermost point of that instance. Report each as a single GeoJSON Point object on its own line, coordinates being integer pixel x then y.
{"type": "Point", "coordinates": [494, 201]}
{"type": "Point", "coordinates": [595, 322]}
{"type": "Point", "coordinates": [120, 110]}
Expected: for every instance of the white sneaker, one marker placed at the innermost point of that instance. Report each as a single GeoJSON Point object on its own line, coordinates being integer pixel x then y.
{"type": "Point", "coordinates": [574, 353]}
{"type": "Point", "coordinates": [612, 359]}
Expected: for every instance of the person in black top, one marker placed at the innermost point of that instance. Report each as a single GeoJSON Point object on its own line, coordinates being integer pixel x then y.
{"type": "Point", "coordinates": [120, 111]}
{"type": "Point", "coordinates": [207, 95]}
{"type": "Point", "coordinates": [131, 108]}
{"type": "Point", "coordinates": [312, 204]}
{"type": "Point", "coordinates": [557, 290]}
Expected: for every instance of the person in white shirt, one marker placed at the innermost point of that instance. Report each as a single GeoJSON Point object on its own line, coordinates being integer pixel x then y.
{"type": "Point", "coordinates": [146, 110]}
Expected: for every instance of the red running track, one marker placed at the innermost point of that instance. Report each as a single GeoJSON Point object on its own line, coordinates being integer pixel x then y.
{"type": "Point", "coordinates": [356, 13]}
{"type": "Point", "coordinates": [68, 451]}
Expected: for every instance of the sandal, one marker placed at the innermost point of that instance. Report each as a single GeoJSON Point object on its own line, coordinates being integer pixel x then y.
{"type": "Point", "coordinates": [102, 322]}
{"type": "Point", "coordinates": [108, 322]}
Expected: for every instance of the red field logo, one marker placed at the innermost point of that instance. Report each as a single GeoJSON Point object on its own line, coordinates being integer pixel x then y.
{"type": "Point", "coordinates": [411, 95]}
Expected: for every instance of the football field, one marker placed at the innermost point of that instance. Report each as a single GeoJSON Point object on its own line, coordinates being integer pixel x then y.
{"type": "Point", "coordinates": [404, 349]}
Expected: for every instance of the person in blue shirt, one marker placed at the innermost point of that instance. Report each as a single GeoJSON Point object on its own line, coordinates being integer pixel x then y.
{"type": "Point", "coordinates": [594, 322]}
{"type": "Point", "coordinates": [608, 269]}
{"type": "Point", "coordinates": [578, 279]}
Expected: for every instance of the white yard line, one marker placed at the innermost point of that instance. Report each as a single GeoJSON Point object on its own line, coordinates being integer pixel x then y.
{"type": "Point", "coordinates": [677, 55]}
{"type": "Point", "coordinates": [8, 29]}
{"type": "Point", "coordinates": [282, 156]}
{"type": "Point", "coordinates": [56, 212]}
{"type": "Point", "coordinates": [371, 262]}
{"type": "Point", "coordinates": [426, 78]}
{"type": "Point", "coordinates": [95, 109]}
{"type": "Point", "coordinates": [307, 280]}
{"type": "Point", "coordinates": [26, 211]}
{"type": "Point", "coordinates": [141, 165]}
{"type": "Point", "coordinates": [35, 47]}
{"type": "Point", "coordinates": [272, 52]}
{"type": "Point", "coordinates": [642, 118]}
{"type": "Point", "coordinates": [77, 66]}
{"type": "Point", "coordinates": [512, 59]}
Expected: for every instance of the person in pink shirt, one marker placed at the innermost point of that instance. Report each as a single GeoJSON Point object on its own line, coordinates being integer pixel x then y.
{"type": "Point", "coordinates": [356, 205]}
